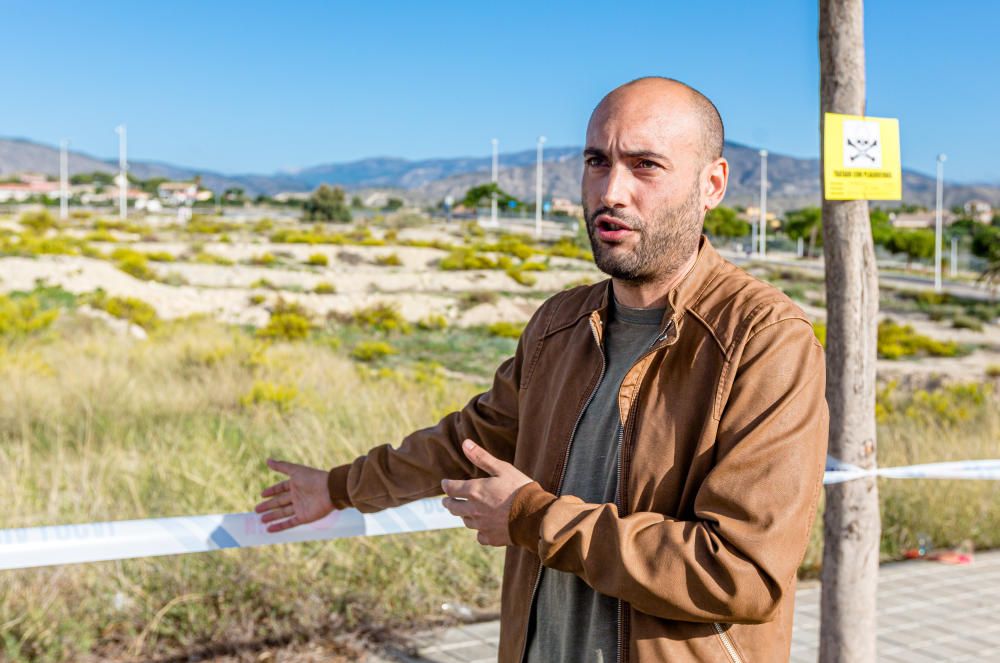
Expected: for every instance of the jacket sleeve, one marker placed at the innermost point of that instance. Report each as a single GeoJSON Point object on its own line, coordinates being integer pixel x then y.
{"type": "Point", "coordinates": [754, 510]}
{"type": "Point", "coordinates": [388, 476]}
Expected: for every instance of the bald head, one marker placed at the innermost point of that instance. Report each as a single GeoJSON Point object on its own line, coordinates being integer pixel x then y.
{"type": "Point", "coordinates": [674, 101]}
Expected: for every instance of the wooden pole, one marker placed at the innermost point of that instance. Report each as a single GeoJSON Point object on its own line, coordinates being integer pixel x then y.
{"type": "Point", "coordinates": [851, 524]}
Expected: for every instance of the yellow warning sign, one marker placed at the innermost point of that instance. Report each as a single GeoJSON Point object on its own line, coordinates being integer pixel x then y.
{"type": "Point", "coordinates": [861, 158]}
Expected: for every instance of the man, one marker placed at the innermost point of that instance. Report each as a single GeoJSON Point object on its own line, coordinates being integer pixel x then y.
{"type": "Point", "coordinates": [652, 455]}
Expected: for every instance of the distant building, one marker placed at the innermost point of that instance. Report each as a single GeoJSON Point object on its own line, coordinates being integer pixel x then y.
{"type": "Point", "coordinates": [978, 210]}
{"type": "Point", "coordinates": [289, 196]}
{"type": "Point", "coordinates": [918, 220]}
{"type": "Point", "coordinates": [30, 186]}
{"type": "Point", "coordinates": [568, 207]}
{"type": "Point", "coordinates": [181, 193]}
{"type": "Point", "coordinates": [752, 215]}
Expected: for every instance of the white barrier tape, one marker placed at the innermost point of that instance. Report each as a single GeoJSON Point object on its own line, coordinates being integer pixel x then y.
{"type": "Point", "coordinates": [838, 471]}
{"type": "Point", "coordinates": [126, 539]}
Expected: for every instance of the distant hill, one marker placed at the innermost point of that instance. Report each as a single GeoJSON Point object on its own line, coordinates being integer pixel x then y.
{"type": "Point", "coordinates": [794, 182]}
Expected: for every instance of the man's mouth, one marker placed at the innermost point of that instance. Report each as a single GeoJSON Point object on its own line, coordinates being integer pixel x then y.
{"type": "Point", "coordinates": [610, 229]}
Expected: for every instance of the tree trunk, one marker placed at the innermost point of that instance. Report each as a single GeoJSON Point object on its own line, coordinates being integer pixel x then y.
{"type": "Point", "coordinates": [851, 525]}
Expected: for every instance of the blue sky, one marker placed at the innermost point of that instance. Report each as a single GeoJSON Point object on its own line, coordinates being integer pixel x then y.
{"type": "Point", "coordinates": [256, 87]}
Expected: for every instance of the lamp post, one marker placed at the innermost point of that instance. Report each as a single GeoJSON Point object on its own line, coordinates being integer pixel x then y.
{"type": "Point", "coordinates": [122, 172]}
{"type": "Point", "coordinates": [763, 204]}
{"type": "Point", "coordinates": [494, 221]}
{"type": "Point", "coordinates": [63, 179]}
{"type": "Point", "coordinates": [938, 223]}
{"type": "Point", "coordinates": [538, 189]}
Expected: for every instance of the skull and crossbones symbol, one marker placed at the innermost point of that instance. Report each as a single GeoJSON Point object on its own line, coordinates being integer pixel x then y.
{"type": "Point", "coordinates": [863, 147]}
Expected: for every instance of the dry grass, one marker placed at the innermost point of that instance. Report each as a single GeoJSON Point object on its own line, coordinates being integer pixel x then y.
{"type": "Point", "coordinates": [102, 428]}
{"type": "Point", "coordinates": [99, 427]}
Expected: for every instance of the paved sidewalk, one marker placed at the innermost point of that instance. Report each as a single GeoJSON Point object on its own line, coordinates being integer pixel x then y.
{"type": "Point", "coordinates": [927, 612]}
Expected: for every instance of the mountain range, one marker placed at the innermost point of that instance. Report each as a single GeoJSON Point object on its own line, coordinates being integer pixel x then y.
{"type": "Point", "coordinates": [793, 182]}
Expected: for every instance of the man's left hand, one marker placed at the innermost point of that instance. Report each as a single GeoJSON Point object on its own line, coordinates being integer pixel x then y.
{"type": "Point", "coordinates": [484, 504]}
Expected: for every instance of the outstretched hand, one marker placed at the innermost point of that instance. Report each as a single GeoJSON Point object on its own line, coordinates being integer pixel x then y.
{"type": "Point", "coordinates": [301, 498]}
{"type": "Point", "coordinates": [484, 504]}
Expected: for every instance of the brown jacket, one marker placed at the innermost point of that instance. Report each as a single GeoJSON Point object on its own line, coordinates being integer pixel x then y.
{"type": "Point", "coordinates": [724, 442]}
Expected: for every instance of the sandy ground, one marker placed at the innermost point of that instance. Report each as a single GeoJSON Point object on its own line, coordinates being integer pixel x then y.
{"type": "Point", "coordinates": [224, 291]}
{"type": "Point", "coordinates": [416, 287]}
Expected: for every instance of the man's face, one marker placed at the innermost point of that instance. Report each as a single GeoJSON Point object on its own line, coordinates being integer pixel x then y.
{"type": "Point", "coordinates": [641, 188]}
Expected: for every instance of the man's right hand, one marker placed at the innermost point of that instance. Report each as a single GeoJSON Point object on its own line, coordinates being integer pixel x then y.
{"type": "Point", "coordinates": [301, 498]}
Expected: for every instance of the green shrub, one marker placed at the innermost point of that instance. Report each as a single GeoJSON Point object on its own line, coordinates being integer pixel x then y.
{"type": "Point", "coordinates": [382, 317]}
{"type": "Point", "coordinates": [206, 258]}
{"type": "Point", "coordinates": [262, 392]}
{"type": "Point", "coordinates": [101, 235]}
{"type": "Point", "coordinates": [289, 322]}
{"type": "Point", "coordinates": [256, 300]}
{"type": "Point", "coordinates": [263, 225]}
{"type": "Point", "coordinates": [263, 283]}
{"type": "Point", "coordinates": [967, 322]}
{"type": "Point", "coordinates": [388, 260]}
{"type": "Point", "coordinates": [534, 266]}
{"type": "Point", "coordinates": [819, 328]}
{"type": "Point", "coordinates": [325, 288]}
{"type": "Point", "coordinates": [993, 371]}
{"type": "Point", "coordinates": [372, 350]}
{"type": "Point", "coordinates": [318, 260]}
{"type": "Point", "coordinates": [264, 259]}
{"type": "Point", "coordinates": [39, 221]}
{"type": "Point", "coordinates": [464, 259]}
{"type": "Point", "coordinates": [567, 249]}
{"type": "Point", "coordinates": [895, 341]}
{"type": "Point", "coordinates": [22, 316]}
{"type": "Point", "coordinates": [950, 403]}
{"type": "Point", "coordinates": [132, 309]}
{"type": "Point", "coordinates": [518, 246]}
{"type": "Point", "coordinates": [473, 298]}
{"type": "Point", "coordinates": [521, 277]}
{"type": "Point", "coordinates": [160, 256]}
{"type": "Point", "coordinates": [506, 329]}
{"type": "Point", "coordinates": [289, 236]}
{"type": "Point", "coordinates": [433, 321]}
{"type": "Point", "coordinates": [133, 262]}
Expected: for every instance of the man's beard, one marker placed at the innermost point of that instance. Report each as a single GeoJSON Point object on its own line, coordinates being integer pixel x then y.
{"type": "Point", "coordinates": [664, 244]}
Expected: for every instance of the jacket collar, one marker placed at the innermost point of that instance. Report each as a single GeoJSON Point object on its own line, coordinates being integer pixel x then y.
{"type": "Point", "coordinates": [683, 295]}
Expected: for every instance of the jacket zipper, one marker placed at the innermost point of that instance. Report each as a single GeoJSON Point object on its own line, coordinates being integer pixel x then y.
{"type": "Point", "coordinates": [727, 642]}
{"type": "Point", "coordinates": [622, 626]}
{"type": "Point", "coordinates": [538, 573]}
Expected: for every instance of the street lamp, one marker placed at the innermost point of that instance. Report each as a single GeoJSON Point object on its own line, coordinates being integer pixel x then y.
{"type": "Point", "coordinates": [122, 172]}
{"type": "Point", "coordinates": [763, 203]}
{"type": "Point", "coordinates": [63, 180]}
{"type": "Point", "coordinates": [938, 224]}
{"type": "Point", "coordinates": [496, 171]}
{"type": "Point", "coordinates": [538, 189]}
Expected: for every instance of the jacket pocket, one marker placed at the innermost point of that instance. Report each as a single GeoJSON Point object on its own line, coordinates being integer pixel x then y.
{"type": "Point", "coordinates": [722, 630]}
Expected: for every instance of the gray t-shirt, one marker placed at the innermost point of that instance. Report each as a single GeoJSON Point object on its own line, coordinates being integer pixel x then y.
{"type": "Point", "coordinates": [572, 623]}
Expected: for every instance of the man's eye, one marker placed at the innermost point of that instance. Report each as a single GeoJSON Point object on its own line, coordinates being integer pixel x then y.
{"type": "Point", "coordinates": [646, 163]}
{"type": "Point", "coordinates": [594, 162]}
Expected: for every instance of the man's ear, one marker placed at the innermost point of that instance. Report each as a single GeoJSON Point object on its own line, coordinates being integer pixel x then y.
{"type": "Point", "coordinates": [714, 179]}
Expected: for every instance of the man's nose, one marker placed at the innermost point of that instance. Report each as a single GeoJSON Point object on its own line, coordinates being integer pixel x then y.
{"type": "Point", "coordinates": [616, 193]}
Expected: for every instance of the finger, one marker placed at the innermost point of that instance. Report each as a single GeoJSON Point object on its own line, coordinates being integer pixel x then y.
{"type": "Point", "coordinates": [482, 458]}
{"type": "Point", "coordinates": [278, 514]}
{"type": "Point", "coordinates": [481, 538]}
{"type": "Point", "coordinates": [459, 488]}
{"type": "Point", "coordinates": [284, 524]}
{"type": "Point", "coordinates": [459, 508]}
{"type": "Point", "coordinates": [471, 523]}
{"type": "Point", "coordinates": [274, 502]}
{"type": "Point", "coordinates": [281, 466]}
{"type": "Point", "coordinates": [280, 487]}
